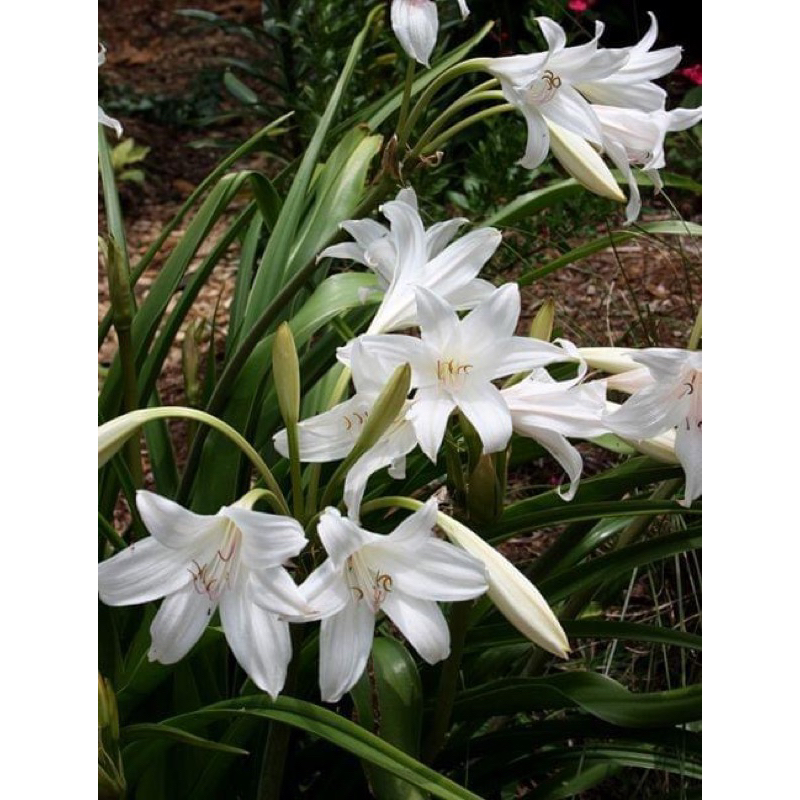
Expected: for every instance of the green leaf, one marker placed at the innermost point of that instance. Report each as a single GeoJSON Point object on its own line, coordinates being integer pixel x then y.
{"type": "Point", "coordinates": [146, 730]}
{"type": "Point", "coordinates": [615, 238]}
{"type": "Point", "coordinates": [393, 712]}
{"type": "Point", "coordinates": [335, 729]}
{"type": "Point", "coordinates": [274, 262]}
{"type": "Point", "coordinates": [605, 568]}
{"type": "Point", "coordinates": [597, 695]}
{"type": "Point", "coordinates": [240, 90]}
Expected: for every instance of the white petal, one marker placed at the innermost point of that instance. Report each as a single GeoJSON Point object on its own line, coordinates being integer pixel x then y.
{"type": "Point", "coordinates": [340, 536]}
{"type": "Point", "coordinates": [563, 452]}
{"type": "Point", "coordinates": [469, 296]}
{"type": "Point", "coordinates": [569, 110]}
{"type": "Point", "coordinates": [689, 449]}
{"type": "Point", "coordinates": [644, 96]}
{"type": "Point", "coordinates": [462, 4]}
{"type": "Point", "coordinates": [267, 539]}
{"type": "Point", "coordinates": [345, 641]}
{"type": "Point", "coordinates": [142, 572]}
{"type": "Point", "coordinates": [484, 407]}
{"type": "Point", "coordinates": [521, 354]}
{"type": "Point", "coordinates": [346, 250]}
{"type": "Point", "coordinates": [408, 235]}
{"type": "Point", "coordinates": [438, 321]}
{"type": "Point", "coordinates": [649, 412]}
{"type": "Point", "coordinates": [172, 524]}
{"type": "Point", "coordinates": [679, 119]}
{"type": "Point", "coordinates": [274, 590]}
{"type": "Point", "coordinates": [439, 235]}
{"type": "Point", "coordinates": [553, 33]}
{"type": "Point", "coordinates": [259, 640]}
{"type": "Point", "coordinates": [496, 317]}
{"type": "Point", "coordinates": [422, 623]}
{"type": "Point", "coordinates": [538, 139]}
{"type": "Point", "coordinates": [392, 447]}
{"type": "Point", "coordinates": [386, 352]}
{"type": "Point", "coordinates": [179, 623]}
{"type": "Point", "coordinates": [428, 414]}
{"type": "Point", "coordinates": [416, 23]}
{"type": "Point", "coordinates": [326, 590]}
{"type": "Point", "coordinates": [435, 570]}
{"type": "Point", "coordinates": [408, 196]}
{"type": "Point", "coordinates": [616, 152]}
{"type": "Point", "coordinates": [109, 122]}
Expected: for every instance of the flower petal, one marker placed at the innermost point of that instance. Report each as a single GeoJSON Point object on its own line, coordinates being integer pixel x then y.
{"type": "Point", "coordinates": [484, 407]}
{"type": "Point", "coordinates": [416, 24]}
{"type": "Point", "coordinates": [267, 539]}
{"type": "Point", "coordinates": [345, 641]}
{"type": "Point", "coordinates": [172, 524]}
{"type": "Point", "coordinates": [274, 590]}
{"type": "Point", "coordinates": [428, 414]}
{"type": "Point", "coordinates": [689, 450]}
{"type": "Point", "coordinates": [422, 623]}
{"type": "Point", "coordinates": [521, 354]}
{"type": "Point", "coordinates": [538, 142]}
{"type": "Point", "coordinates": [179, 623]}
{"type": "Point", "coordinates": [340, 536]}
{"type": "Point", "coordinates": [571, 111]}
{"type": "Point", "coordinates": [326, 590]}
{"type": "Point", "coordinates": [438, 321]}
{"type": "Point", "coordinates": [259, 640]}
{"type": "Point", "coordinates": [142, 572]}
{"type": "Point", "coordinates": [495, 318]}
{"type": "Point", "coordinates": [563, 452]}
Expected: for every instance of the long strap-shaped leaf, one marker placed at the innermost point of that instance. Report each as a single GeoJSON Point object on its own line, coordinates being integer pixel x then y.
{"type": "Point", "coordinates": [271, 272]}
{"type": "Point", "coordinates": [597, 695]}
{"type": "Point", "coordinates": [335, 729]}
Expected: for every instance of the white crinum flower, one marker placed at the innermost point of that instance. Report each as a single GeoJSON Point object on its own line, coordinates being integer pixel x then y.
{"type": "Point", "coordinates": [454, 362]}
{"type": "Point", "coordinates": [548, 411]}
{"type": "Point", "coordinates": [408, 255]}
{"type": "Point", "coordinates": [631, 86]}
{"type": "Point", "coordinates": [416, 23]}
{"type": "Point", "coordinates": [330, 436]}
{"type": "Point", "coordinates": [403, 574]}
{"type": "Point", "coordinates": [542, 87]}
{"type": "Point", "coordinates": [102, 117]}
{"type": "Point", "coordinates": [636, 138]}
{"type": "Point", "coordinates": [231, 560]}
{"type": "Point", "coordinates": [673, 400]}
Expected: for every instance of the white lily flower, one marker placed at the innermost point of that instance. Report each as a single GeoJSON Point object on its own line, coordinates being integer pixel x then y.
{"type": "Point", "coordinates": [548, 411]}
{"type": "Point", "coordinates": [631, 86]}
{"type": "Point", "coordinates": [403, 574]}
{"type": "Point", "coordinates": [416, 24]}
{"type": "Point", "coordinates": [673, 400]}
{"type": "Point", "coordinates": [455, 361]}
{"type": "Point", "coordinates": [407, 255]}
{"type": "Point", "coordinates": [231, 560]}
{"type": "Point", "coordinates": [102, 117]}
{"type": "Point", "coordinates": [520, 602]}
{"type": "Point", "coordinates": [330, 436]}
{"type": "Point", "coordinates": [542, 87]}
{"type": "Point", "coordinates": [636, 138]}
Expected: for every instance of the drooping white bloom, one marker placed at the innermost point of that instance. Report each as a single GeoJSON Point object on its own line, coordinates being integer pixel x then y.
{"type": "Point", "coordinates": [231, 560]}
{"type": "Point", "coordinates": [673, 400]}
{"type": "Point", "coordinates": [406, 255]}
{"type": "Point", "coordinates": [548, 411]}
{"type": "Point", "coordinates": [636, 138]}
{"type": "Point", "coordinates": [416, 24]}
{"type": "Point", "coordinates": [454, 362]}
{"type": "Point", "coordinates": [516, 598]}
{"type": "Point", "coordinates": [330, 436]}
{"type": "Point", "coordinates": [102, 117]}
{"type": "Point", "coordinates": [631, 86]}
{"type": "Point", "coordinates": [542, 87]}
{"type": "Point", "coordinates": [403, 574]}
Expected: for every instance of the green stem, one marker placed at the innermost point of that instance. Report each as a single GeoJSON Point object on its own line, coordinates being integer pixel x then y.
{"type": "Point", "coordinates": [407, 88]}
{"type": "Point", "coordinates": [433, 146]}
{"type": "Point", "coordinates": [108, 530]}
{"type": "Point", "coordinates": [477, 95]}
{"type": "Point", "coordinates": [298, 503]}
{"type": "Point", "coordinates": [448, 681]}
{"type": "Point", "coordinates": [116, 225]}
{"type": "Point", "coordinates": [471, 65]}
{"type": "Point", "coordinates": [697, 330]}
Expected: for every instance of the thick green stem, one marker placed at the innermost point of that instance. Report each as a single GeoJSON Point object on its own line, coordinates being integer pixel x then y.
{"type": "Point", "coordinates": [116, 225]}
{"type": "Point", "coordinates": [407, 89]}
{"type": "Point", "coordinates": [448, 681]}
{"type": "Point", "coordinates": [277, 747]}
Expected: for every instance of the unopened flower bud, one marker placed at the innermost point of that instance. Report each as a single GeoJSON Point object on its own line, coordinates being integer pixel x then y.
{"type": "Point", "coordinates": [484, 493]}
{"type": "Point", "coordinates": [286, 369]}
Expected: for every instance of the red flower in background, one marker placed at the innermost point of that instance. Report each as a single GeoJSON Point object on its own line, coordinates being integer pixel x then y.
{"type": "Point", "coordinates": [693, 73]}
{"type": "Point", "coordinates": [580, 5]}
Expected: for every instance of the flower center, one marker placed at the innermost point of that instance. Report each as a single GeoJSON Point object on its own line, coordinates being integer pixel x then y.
{"type": "Point", "coordinates": [368, 585]}
{"type": "Point", "coordinates": [543, 89]}
{"type": "Point", "coordinates": [354, 421]}
{"type": "Point", "coordinates": [452, 373]}
{"type": "Point", "coordinates": [213, 577]}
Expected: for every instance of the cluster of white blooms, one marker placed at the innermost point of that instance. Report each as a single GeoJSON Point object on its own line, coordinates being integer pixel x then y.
{"type": "Point", "coordinates": [605, 97]}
